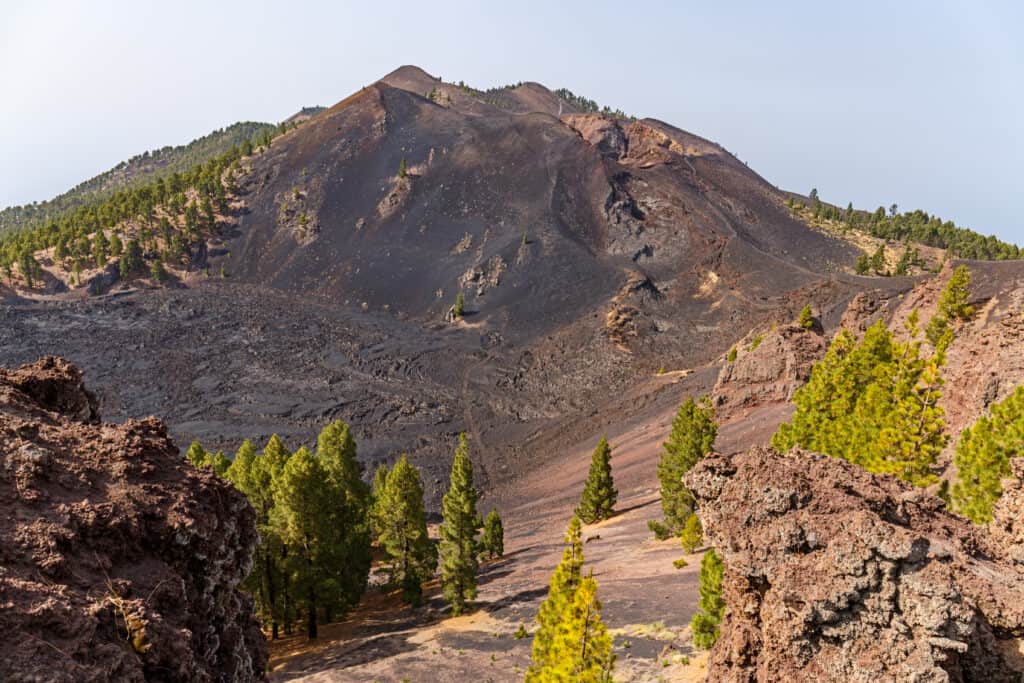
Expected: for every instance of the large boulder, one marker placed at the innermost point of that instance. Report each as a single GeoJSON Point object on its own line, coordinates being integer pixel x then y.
{"type": "Point", "coordinates": [835, 574]}
{"type": "Point", "coordinates": [119, 561]}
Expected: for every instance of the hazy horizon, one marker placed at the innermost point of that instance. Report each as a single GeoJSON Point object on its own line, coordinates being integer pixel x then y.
{"type": "Point", "coordinates": [917, 105]}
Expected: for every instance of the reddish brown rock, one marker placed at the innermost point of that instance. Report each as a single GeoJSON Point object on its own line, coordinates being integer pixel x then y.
{"type": "Point", "coordinates": [1007, 524]}
{"type": "Point", "coordinates": [835, 574]}
{"type": "Point", "coordinates": [778, 365]}
{"type": "Point", "coordinates": [119, 560]}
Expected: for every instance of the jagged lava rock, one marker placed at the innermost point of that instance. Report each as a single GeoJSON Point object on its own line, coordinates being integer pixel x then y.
{"type": "Point", "coordinates": [770, 373]}
{"type": "Point", "coordinates": [836, 574]}
{"type": "Point", "coordinates": [119, 561]}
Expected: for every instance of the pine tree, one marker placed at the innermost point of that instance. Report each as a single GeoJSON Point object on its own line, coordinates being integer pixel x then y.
{"type": "Point", "coordinates": [705, 623]}
{"type": "Point", "coordinates": [458, 533]}
{"type": "Point", "coordinates": [460, 307]}
{"type": "Point", "coordinates": [878, 260]}
{"type": "Point", "coordinates": [873, 402]}
{"type": "Point", "coordinates": [692, 437]}
{"type": "Point", "coordinates": [492, 541]}
{"type": "Point", "coordinates": [380, 480]}
{"type": "Point", "coordinates": [582, 648]}
{"type": "Point", "coordinates": [692, 534]}
{"type": "Point", "coordinates": [411, 555]}
{"type": "Point", "coordinates": [196, 454]}
{"type": "Point", "coordinates": [240, 471]}
{"type": "Point", "coordinates": [219, 462]}
{"type": "Point", "coordinates": [952, 306]}
{"type": "Point", "coordinates": [348, 515]}
{"type": "Point", "coordinates": [157, 271]}
{"type": "Point", "coordinates": [806, 318]}
{"type": "Point", "coordinates": [268, 580]}
{"type": "Point", "coordinates": [983, 457]}
{"type": "Point", "coordinates": [402, 168]}
{"type": "Point", "coordinates": [131, 259]}
{"type": "Point", "coordinates": [561, 592]}
{"type": "Point", "coordinates": [599, 495]}
{"type": "Point", "coordinates": [301, 516]}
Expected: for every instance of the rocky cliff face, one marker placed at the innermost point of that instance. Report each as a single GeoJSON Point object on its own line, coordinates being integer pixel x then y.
{"type": "Point", "coordinates": [768, 368]}
{"type": "Point", "coordinates": [119, 561]}
{"type": "Point", "coordinates": [835, 574]}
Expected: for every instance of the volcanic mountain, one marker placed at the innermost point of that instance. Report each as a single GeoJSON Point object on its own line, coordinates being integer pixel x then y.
{"type": "Point", "coordinates": [590, 251]}
{"type": "Point", "coordinates": [607, 267]}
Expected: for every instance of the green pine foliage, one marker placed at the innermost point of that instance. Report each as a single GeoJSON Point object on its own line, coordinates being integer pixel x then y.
{"type": "Point", "coordinates": [162, 213]}
{"type": "Point", "coordinates": [196, 454]}
{"type": "Point", "coordinates": [582, 646]}
{"type": "Point", "coordinates": [706, 622]}
{"type": "Point", "coordinates": [692, 437]}
{"type": "Point", "coordinates": [312, 517]}
{"type": "Point", "coordinates": [348, 515]}
{"type": "Point", "coordinates": [916, 227]}
{"type": "Point", "coordinates": [561, 591]}
{"type": "Point", "coordinates": [131, 259]}
{"type": "Point", "coordinates": [460, 306]}
{"type": "Point", "coordinates": [599, 495]}
{"type": "Point", "coordinates": [983, 456]}
{"type": "Point", "coordinates": [411, 556]}
{"type": "Point", "coordinates": [492, 541]}
{"type": "Point", "coordinates": [873, 402]}
{"type": "Point", "coordinates": [380, 479]}
{"type": "Point", "coordinates": [806, 318]}
{"type": "Point", "coordinates": [302, 501]}
{"type": "Point", "coordinates": [692, 534]}
{"type": "Point", "coordinates": [142, 170]}
{"type": "Point", "coordinates": [952, 306]}
{"type": "Point", "coordinates": [878, 261]}
{"type": "Point", "coordinates": [460, 524]}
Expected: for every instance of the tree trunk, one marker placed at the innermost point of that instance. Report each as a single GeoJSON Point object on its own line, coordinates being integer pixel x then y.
{"type": "Point", "coordinates": [311, 615]}
{"type": "Point", "coordinates": [271, 592]}
{"type": "Point", "coordinates": [287, 610]}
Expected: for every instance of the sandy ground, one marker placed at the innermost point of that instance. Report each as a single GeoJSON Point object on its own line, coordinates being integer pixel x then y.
{"type": "Point", "coordinates": [647, 602]}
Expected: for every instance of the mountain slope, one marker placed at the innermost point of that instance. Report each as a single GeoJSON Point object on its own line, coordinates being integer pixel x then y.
{"type": "Point", "coordinates": [536, 219]}
{"type": "Point", "coordinates": [135, 171]}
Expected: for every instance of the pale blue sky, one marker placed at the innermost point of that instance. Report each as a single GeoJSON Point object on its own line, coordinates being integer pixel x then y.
{"type": "Point", "coordinates": [918, 103]}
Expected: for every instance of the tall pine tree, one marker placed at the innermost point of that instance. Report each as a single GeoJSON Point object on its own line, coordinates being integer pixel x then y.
{"type": "Point", "coordinates": [582, 648]}
{"type": "Point", "coordinates": [380, 480]}
{"type": "Point", "coordinates": [692, 437]}
{"type": "Point", "coordinates": [952, 306]}
{"type": "Point", "coordinates": [459, 562]}
{"type": "Point", "coordinates": [599, 495]}
{"type": "Point", "coordinates": [411, 555]}
{"type": "Point", "coordinates": [561, 593]}
{"type": "Point", "coordinates": [349, 517]}
{"type": "Point", "coordinates": [302, 516]}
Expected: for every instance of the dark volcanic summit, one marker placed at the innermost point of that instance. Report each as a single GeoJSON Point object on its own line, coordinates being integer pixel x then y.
{"type": "Point", "coordinates": [591, 251]}
{"type": "Point", "coordinates": [601, 202]}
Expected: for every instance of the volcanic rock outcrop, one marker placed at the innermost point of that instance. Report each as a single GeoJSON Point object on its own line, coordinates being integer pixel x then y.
{"type": "Point", "coordinates": [768, 371]}
{"type": "Point", "coordinates": [835, 574]}
{"type": "Point", "coordinates": [119, 562]}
